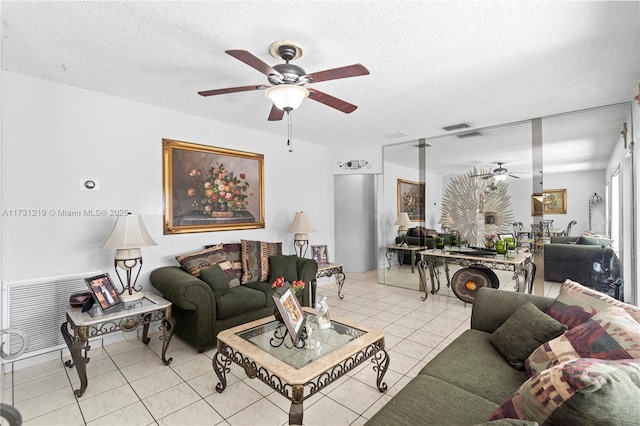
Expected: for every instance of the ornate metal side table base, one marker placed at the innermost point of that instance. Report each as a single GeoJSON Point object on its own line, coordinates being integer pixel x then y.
{"type": "Point", "coordinates": [330, 270]}
{"type": "Point", "coordinates": [76, 333]}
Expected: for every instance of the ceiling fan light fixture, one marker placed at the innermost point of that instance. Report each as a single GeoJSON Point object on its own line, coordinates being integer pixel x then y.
{"type": "Point", "coordinates": [501, 177]}
{"type": "Point", "coordinates": [286, 97]}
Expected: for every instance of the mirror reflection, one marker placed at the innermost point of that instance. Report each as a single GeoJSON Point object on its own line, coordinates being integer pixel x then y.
{"type": "Point", "coordinates": [481, 186]}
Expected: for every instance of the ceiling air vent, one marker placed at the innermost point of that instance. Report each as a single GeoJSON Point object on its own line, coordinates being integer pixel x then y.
{"type": "Point", "coordinates": [468, 134]}
{"type": "Point", "coordinates": [456, 127]}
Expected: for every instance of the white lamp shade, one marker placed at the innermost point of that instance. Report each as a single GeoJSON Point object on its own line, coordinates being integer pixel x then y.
{"type": "Point", "coordinates": [501, 177]}
{"type": "Point", "coordinates": [446, 220]}
{"type": "Point", "coordinates": [301, 226]}
{"type": "Point", "coordinates": [286, 97]}
{"type": "Point", "coordinates": [129, 232]}
{"type": "Point", "coordinates": [403, 220]}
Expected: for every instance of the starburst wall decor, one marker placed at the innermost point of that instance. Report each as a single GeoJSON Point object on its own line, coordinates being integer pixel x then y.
{"type": "Point", "coordinates": [467, 197]}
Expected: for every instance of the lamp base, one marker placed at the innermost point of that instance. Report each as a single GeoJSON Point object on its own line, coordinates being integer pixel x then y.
{"type": "Point", "coordinates": [135, 295]}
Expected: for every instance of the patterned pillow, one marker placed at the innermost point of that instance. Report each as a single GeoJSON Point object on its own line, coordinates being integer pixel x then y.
{"type": "Point", "coordinates": [234, 254]}
{"type": "Point", "coordinates": [611, 334]}
{"type": "Point", "coordinates": [194, 262]}
{"type": "Point", "coordinates": [580, 392]}
{"type": "Point", "coordinates": [576, 303]}
{"type": "Point", "coordinates": [255, 260]}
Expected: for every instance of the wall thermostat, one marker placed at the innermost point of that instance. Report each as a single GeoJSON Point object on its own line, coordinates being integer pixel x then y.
{"type": "Point", "coordinates": [89, 184]}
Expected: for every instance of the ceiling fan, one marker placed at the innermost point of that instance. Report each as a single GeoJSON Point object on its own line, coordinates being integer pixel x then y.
{"type": "Point", "coordinates": [500, 173]}
{"type": "Point", "coordinates": [287, 80]}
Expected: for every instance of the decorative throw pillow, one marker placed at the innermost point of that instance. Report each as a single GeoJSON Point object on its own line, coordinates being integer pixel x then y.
{"type": "Point", "coordinates": [283, 266]}
{"type": "Point", "coordinates": [526, 329]}
{"type": "Point", "coordinates": [194, 262]}
{"type": "Point", "coordinates": [216, 278]}
{"type": "Point", "coordinates": [255, 260]}
{"type": "Point", "coordinates": [576, 303]}
{"type": "Point", "coordinates": [611, 334]}
{"type": "Point", "coordinates": [579, 392]}
{"type": "Point", "coordinates": [234, 255]}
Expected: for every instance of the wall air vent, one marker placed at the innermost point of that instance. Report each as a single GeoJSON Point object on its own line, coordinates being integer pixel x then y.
{"type": "Point", "coordinates": [456, 127]}
{"type": "Point", "coordinates": [468, 134]}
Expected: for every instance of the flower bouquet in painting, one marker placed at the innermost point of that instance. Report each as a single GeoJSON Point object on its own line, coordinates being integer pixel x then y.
{"type": "Point", "coordinates": [220, 192]}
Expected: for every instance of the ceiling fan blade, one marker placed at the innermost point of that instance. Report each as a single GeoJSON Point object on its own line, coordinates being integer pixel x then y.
{"type": "Point", "coordinates": [483, 175]}
{"type": "Point", "coordinates": [514, 176]}
{"type": "Point", "coordinates": [276, 113]}
{"type": "Point", "coordinates": [342, 72]}
{"type": "Point", "coordinates": [331, 101]}
{"type": "Point", "coordinates": [253, 61]}
{"type": "Point", "coordinates": [232, 90]}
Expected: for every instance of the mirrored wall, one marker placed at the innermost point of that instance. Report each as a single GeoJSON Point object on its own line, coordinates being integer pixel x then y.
{"type": "Point", "coordinates": [576, 152]}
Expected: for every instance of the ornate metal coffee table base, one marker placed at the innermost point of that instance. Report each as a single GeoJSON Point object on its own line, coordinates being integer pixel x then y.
{"type": "Point", "coordinates": [296, 392]}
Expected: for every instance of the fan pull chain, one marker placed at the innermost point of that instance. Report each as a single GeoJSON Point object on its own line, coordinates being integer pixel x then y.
{"type": "Point", "coordinates": [289, 132]}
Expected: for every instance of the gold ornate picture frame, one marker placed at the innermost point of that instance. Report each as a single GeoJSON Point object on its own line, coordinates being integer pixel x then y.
{"type": "Point", "coordinates": [209, 189]}
{"type": "Point", "coordinates": [550, 201]}
{"type": "Point", "coordinates": [411, 199]}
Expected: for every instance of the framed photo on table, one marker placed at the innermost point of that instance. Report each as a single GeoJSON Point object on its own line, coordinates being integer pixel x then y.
{"type": "Point", "coordinates": [290, 311]}
{"type": "Point", "coordinates": [320, 254]}
{"type": "Point", "coordinates": [104, 292]}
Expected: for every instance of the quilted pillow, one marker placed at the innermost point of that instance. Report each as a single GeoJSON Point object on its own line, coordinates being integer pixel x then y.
{"type": "Point", "coordinates": [526, 329]}
{"type": "Point", "coordinates": [580, 392]}
{"type": "Point", "coordinates": [255, 260]}
{"type": "Point", "coordinates": [194, 262]}
{"type": "Point", "coordinates": [576, 303]}
{"type": "Point", "coordinates": [234, 254]}
{"type": "Point", "coordinates": [612, 334]}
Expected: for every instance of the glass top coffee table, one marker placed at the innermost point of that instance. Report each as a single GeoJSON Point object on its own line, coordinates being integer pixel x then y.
{"type": "Point", "coordinates": [263, 350]}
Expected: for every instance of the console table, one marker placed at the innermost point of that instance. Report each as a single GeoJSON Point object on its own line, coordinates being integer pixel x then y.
{"type": "Point", "coordinates": [328, 270]}
{"type": "Point", "coordinates": [520, 263]}
{"type": "Point", "coordinates": [413, 250]}
{"type": "Point", "coordinates": [82, 326]}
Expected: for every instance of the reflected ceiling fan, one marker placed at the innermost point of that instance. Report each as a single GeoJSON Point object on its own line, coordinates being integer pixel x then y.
{"type": "Point", "coordinates": [500, 173]}
{"type": "Point", "coordinates": [287, 81]}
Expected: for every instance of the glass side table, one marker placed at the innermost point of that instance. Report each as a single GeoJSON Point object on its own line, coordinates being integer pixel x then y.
{"type": "Point", "coordinates": [82, 326]}
{"type": "Point", "coordinates": [328, 270]}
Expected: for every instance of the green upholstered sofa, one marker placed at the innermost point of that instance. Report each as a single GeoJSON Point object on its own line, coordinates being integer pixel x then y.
{"type": "Point", "coordinates": [469, 379]}
{"type": "Point", "coordinates": [573, 257]}
{"type": "Point", "coordinates": [201, 313]}
{"type": "Point", "coordinates": [579, 360]}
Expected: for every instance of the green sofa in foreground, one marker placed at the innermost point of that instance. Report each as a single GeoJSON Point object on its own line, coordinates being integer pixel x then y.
{"type": "Point", "coordinates": [471, 381]}
{"type": "Point", "coordinates": [203, 309]}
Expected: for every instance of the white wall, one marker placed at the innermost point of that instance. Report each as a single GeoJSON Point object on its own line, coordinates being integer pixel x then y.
{"type": "Point", "coordinates": [355, 222]}
{"type": "Point", "coordinates": [580, 187]}
{"type": "Point", "coordinates": [54, 136]}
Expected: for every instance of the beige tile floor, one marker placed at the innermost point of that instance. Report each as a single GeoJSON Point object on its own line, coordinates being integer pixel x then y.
{"type": "Point", "coordinates": [129, 384]}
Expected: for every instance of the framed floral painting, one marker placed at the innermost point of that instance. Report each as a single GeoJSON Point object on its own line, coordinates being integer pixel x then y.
{"type": "Point", "coordinates": [208, 189]}
{"type": "Point", "coordinates": [411, 199]}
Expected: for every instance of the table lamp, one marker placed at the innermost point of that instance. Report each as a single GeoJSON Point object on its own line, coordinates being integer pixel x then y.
{"type": "Point", "coordinates": [446, 221]}
{"type": "Point", "coordinates": [127, 236]}
{"type": "Point", "coordinates": [300, 227]}
{"type": "Point", "coordinates": [404, 223]}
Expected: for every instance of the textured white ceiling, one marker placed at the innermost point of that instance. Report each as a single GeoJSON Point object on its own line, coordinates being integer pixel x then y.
{"type": "Point", "coordinates": [432, 64]}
